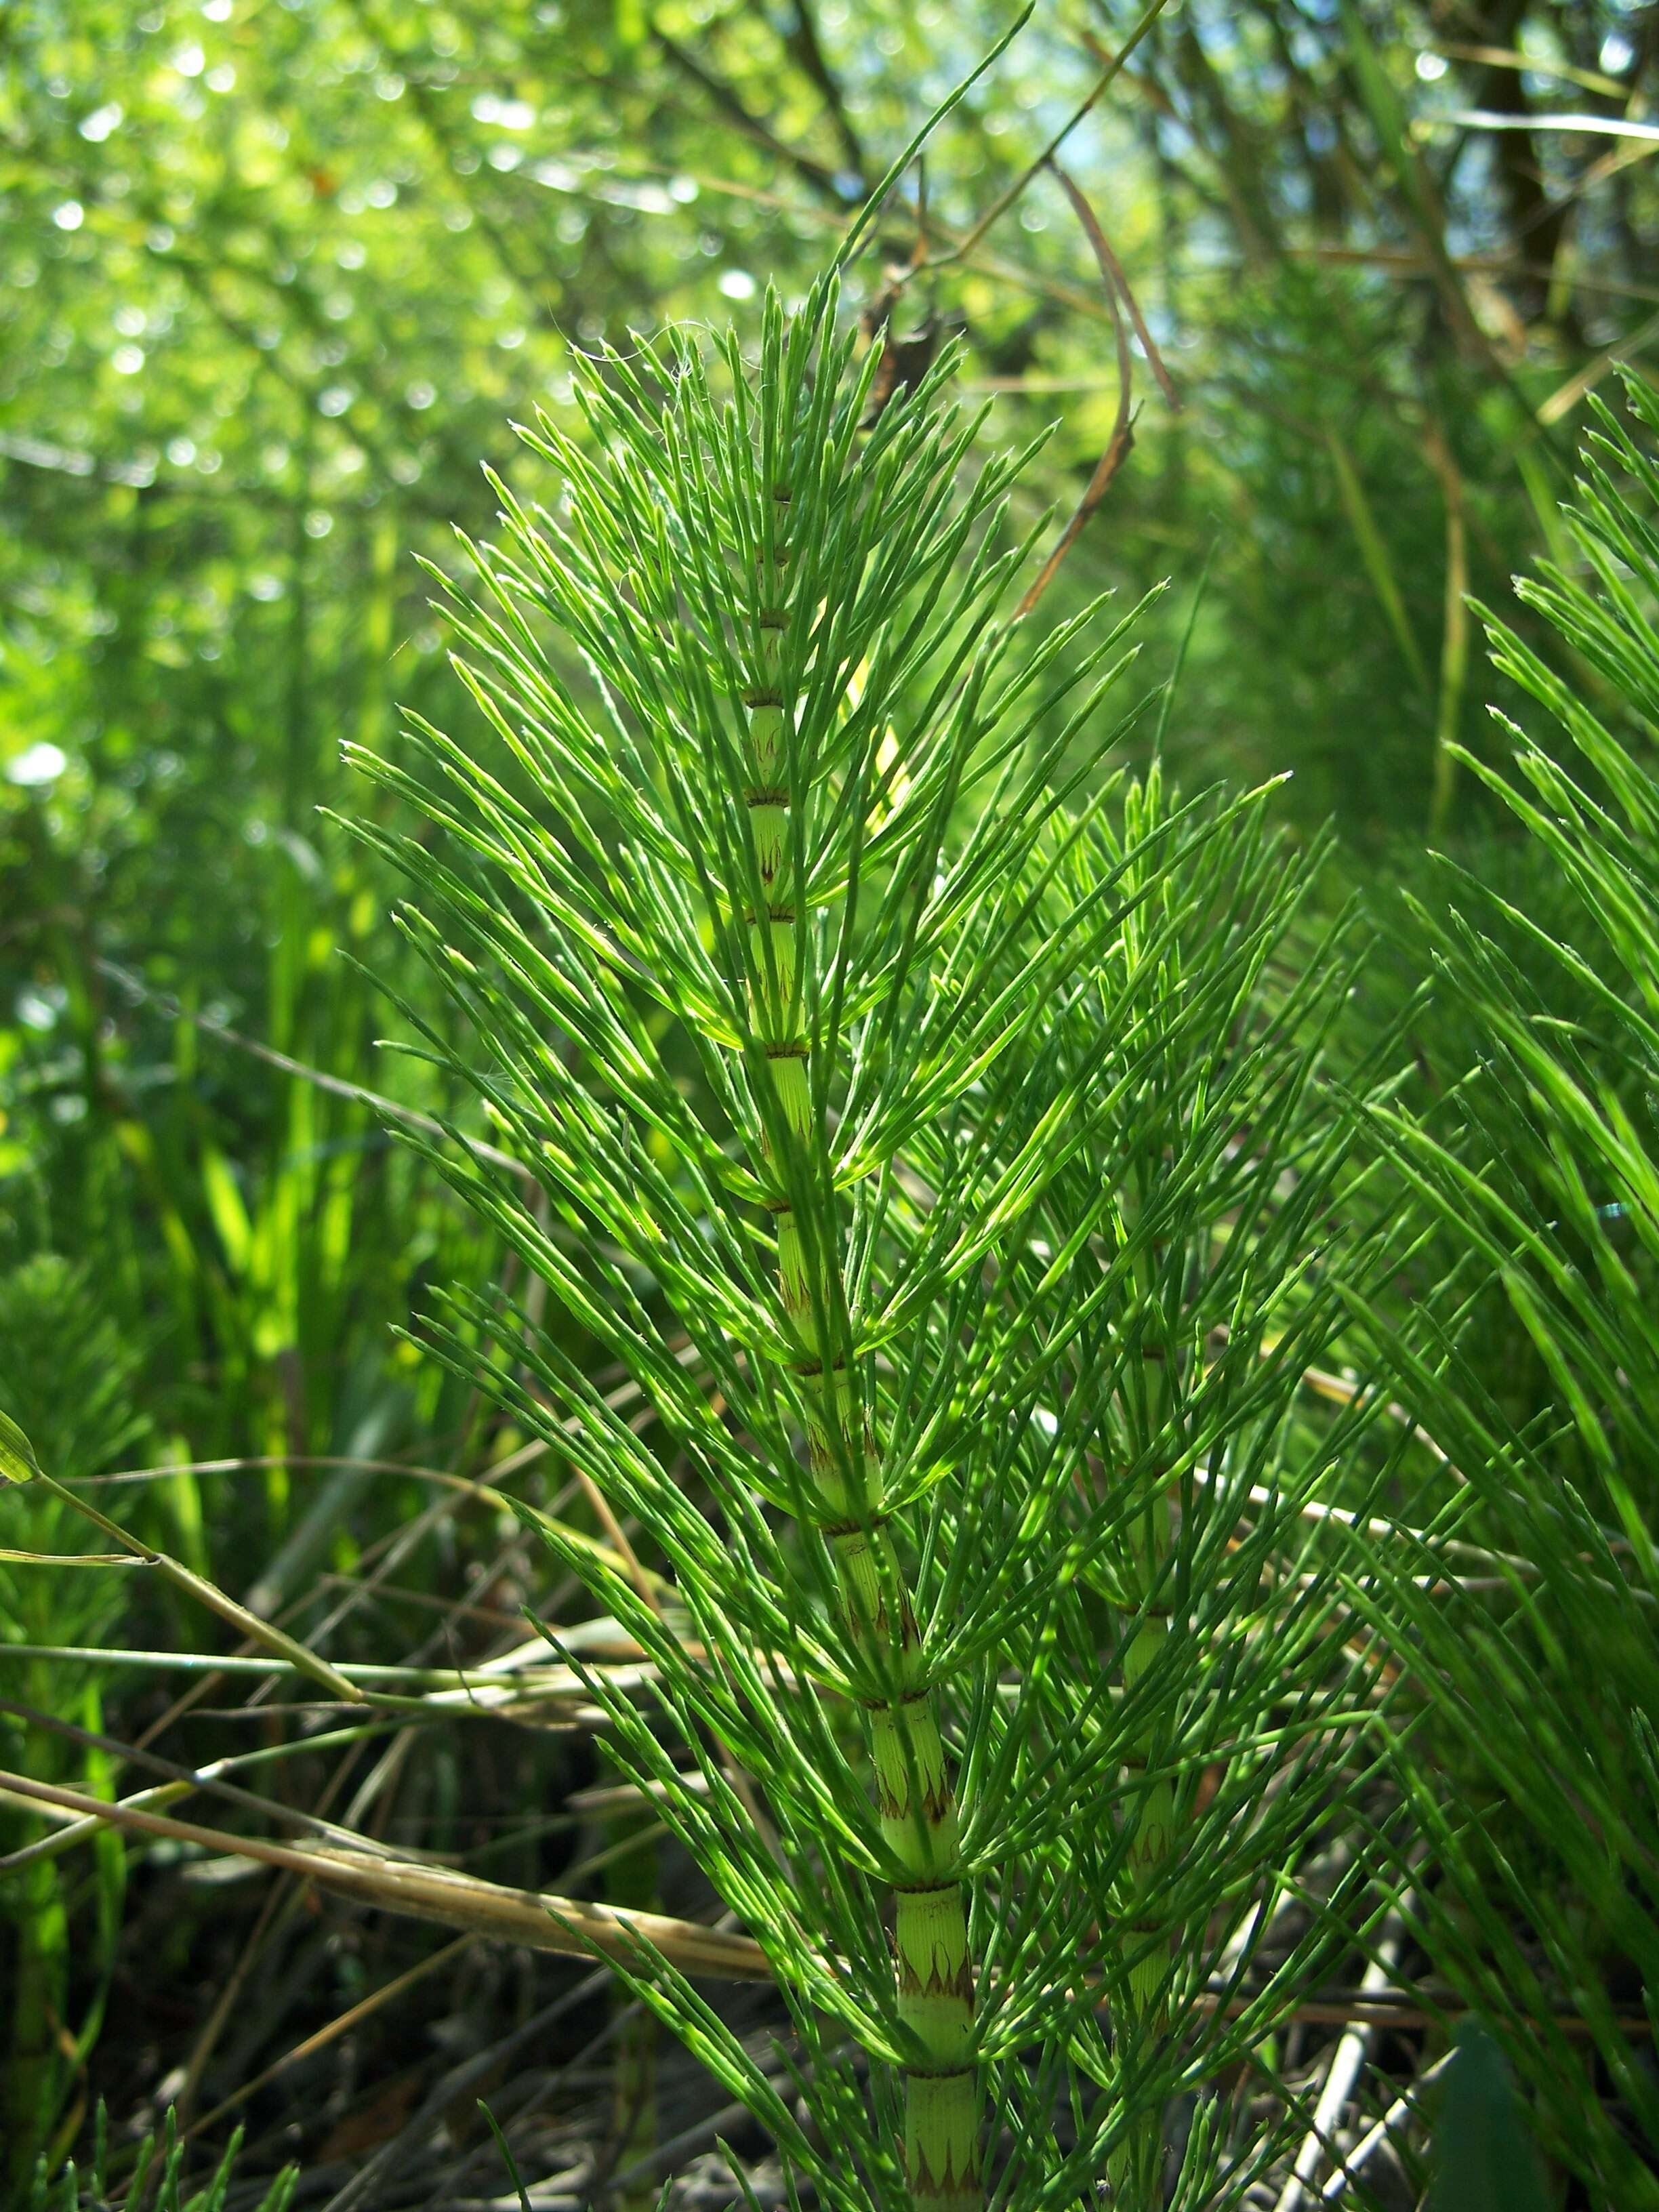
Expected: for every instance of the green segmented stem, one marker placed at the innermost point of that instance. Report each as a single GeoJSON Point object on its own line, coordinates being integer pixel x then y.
{"type": "Point", "coordinates": [1136, 2169]}
{"type": "Point", "coordinates": [915, 1800]}
{"type": "Point", "coordinates": [1154, 1818]}
{"type": "Point", "coordinates": [630, 1880]}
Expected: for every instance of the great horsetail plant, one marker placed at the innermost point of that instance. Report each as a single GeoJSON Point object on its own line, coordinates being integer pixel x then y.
{"type": "Point", "coordinates": [1540, 1168]}
{"type": "Point", "coordinates": [1198, 1561]}
{"type": "Point", "coordinates": [815, 999]}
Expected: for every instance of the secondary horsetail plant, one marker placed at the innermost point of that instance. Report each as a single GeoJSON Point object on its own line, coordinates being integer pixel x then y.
{"type": "Point", "coordinates": [915, 1115]}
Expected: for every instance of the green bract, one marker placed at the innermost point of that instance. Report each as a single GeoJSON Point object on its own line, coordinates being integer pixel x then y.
{"type": "Point", "coordinates": [17, 1460]}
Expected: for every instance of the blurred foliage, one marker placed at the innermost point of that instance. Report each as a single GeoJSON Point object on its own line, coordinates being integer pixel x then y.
{"type": "Point", "coordinates": [274, 276]}
{"type": "Point", "coordinates": [67, 1381]}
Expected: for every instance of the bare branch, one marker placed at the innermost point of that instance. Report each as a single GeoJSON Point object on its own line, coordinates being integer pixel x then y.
{"type": "Point", "coordinates": [1122, 439]}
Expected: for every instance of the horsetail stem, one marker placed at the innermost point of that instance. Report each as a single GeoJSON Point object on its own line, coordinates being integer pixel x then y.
{"type": "Point", "coordinates": [1147, 1937]}
{"type": "Point", "coordinates": [915, 1801]}
{"type": "Point", "coordinates": [806, 827]}
{"type": "Point", "coordinates": [1136, 2166]}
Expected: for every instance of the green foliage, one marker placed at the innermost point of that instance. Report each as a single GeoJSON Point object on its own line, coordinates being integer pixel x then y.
{"type": "Point", "coordinates": [1542, 1176]}
{"type": "Point", "coordinates": [1198, 1474]}
{"type": "Point", "coordinates": [272, 277]}
{"type": "Point", "coordinates": [1484, 2162]}
{"type": "Point", "coordinates": [77, 2189]}
{"type": "Point", "coordinates": [17, 1460]}
{"type": "Point", "coordinates": [65, 1383]}
{"type": "Point", "coordinates": [962, 1139]}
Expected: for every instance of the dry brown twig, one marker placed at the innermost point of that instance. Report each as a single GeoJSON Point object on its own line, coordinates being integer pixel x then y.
{"type": "Point", "coordinates": [565, 1926]}
{"type": "Point", "coordinates": [998, 208]}
{"type": "Point", "coordinates": [1121, 441]}
{"type": "Point", "coordinates": [572, 1928]}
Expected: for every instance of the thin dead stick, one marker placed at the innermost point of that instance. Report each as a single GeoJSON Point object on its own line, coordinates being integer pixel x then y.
{"type": "Point", "coordinates": [1120, 444]}
{"type": "Point", "coordinates": [463, 1485]}
{"type": "Point", "coordinates": [1102, 246]}
{"type": "Point", "coordinates": [282, 1647]}
{"type": "Point", "coordinates": [12, 1558]}
{"type": "Point", "coordinates": [253, 1463]}
{"type": "Point", "coordinates": [1566, 397]}
{"type": "Point", "coordinates": [999, 208]}
{"type": "Point", "coordinates": [352, 2017]}
{"type": "Point", "coordinates": [176, 1781]}
{"type": "Point", "coordinates": [451, 1899]}
{"type": "Point", "coordinates": [1507, 57]}
{"type": "Point", "coordinates": [447, 1898]}
{"type": "Point", "coordinates": [1403, 2107]}
{"type": "Point", "coordinates": [432, 1515]}
{"type": "Point", "coordinates": [1352, 2048]}
{"type": "Point", "coordinates": [165, 1002]}
{"type": "Point", "coordinates": [613, 1529]}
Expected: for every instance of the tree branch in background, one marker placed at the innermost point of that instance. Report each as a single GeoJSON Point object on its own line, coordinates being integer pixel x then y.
{"type": "Point", "coordinates": [819, 175]}
{"type": "Point", "coordinates": [1455, 643]}
{"type": "Point", "coordinates": [803, 42]}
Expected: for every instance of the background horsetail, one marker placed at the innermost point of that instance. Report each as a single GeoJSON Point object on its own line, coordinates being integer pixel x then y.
{"type": "Point", "coordinates": [820, 1021]}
